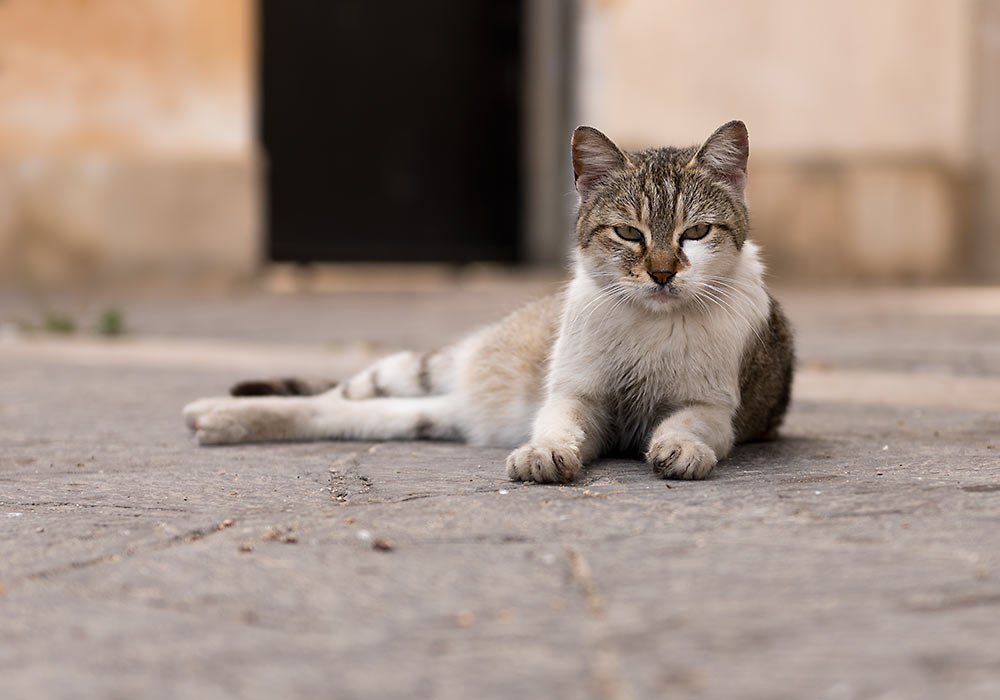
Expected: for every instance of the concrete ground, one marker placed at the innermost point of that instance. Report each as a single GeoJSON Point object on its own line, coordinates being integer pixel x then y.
{"type": "Point", "coordinates": [858, 557]}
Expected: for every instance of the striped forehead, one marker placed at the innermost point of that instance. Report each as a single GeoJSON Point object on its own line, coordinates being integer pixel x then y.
{"type": "Point", "coordinates": [661, 200]}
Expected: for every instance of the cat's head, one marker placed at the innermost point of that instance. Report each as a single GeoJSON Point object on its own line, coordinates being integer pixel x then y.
{"type": "Point", "coordinates": [663, 227]}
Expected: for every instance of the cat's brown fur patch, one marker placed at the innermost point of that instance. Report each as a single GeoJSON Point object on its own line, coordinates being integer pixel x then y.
{"type": "Point", "coordinates": [765, 379]}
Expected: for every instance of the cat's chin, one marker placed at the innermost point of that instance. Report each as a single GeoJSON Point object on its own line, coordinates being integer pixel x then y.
{"type": "Point", "coordinates": [661, 300]}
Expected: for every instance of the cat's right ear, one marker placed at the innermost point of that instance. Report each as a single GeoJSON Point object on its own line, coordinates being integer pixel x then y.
{"type": "Point", "coordinates": [725, 154]}
{"type": "Point", "coordinates": [595, 158]}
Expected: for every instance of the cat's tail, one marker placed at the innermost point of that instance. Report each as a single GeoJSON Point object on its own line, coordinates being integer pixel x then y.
{"type": "Point", "coordinates": [282, 386]}
{"type": "Point", "coordinates": [404, 374]}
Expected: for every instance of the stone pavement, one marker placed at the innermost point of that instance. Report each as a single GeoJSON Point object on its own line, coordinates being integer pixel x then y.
{"type": "Point", "coordinates": [858, 557]}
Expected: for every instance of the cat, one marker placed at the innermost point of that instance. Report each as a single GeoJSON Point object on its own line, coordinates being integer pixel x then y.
{"type": "Point", "coordinates": [664, 344]}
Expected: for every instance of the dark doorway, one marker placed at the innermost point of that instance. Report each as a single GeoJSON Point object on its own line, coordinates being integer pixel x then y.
{"type": "Point", "coordinates": [391, 129]}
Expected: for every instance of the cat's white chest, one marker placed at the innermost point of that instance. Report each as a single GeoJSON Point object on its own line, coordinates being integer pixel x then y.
{"type": "Point", "coordinates": [639, 371]}
{"type": "Point", "coordinates": [644, 362]}
{"type": "Point", "coordinates": [639, 367]}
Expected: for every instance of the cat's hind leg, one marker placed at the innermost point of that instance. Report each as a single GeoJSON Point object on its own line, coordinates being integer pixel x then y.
{"type": "Point", "coordinates": [328, 416]}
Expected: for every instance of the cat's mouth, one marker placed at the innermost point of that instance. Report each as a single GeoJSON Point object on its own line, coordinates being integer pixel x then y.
{"type": "Point", "coordinates": [663, 295]}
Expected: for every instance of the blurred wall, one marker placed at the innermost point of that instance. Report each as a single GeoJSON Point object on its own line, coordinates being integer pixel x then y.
{"type": "Point", "coordinates": [863, 120]}
{"type": "Point", "coordinates": [126, 139]}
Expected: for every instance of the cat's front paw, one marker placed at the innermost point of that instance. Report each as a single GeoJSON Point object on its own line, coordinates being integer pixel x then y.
{"type": "Point", "coordinates": [196, 409]}
{"type": "Point", "coordinates": [219, 421]}
{"type": "Point", "coordinates": [221, 427]}
{"type": "Point", "coordinates": [544, 464]}
{"type": "Point", "coordinates": [681, 457]}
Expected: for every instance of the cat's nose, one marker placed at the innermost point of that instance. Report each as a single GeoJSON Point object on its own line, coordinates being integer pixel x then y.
{"type": "Point", "coordinates": [662, 276]}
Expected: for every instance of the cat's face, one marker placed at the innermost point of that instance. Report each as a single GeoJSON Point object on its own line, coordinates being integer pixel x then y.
{"type": "Point", "coordinates": [662, 228]}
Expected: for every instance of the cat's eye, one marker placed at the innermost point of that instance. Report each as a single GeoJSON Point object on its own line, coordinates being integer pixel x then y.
{"type": "Point", "coordinates": [696, 233]}
{"type": "Point", "coordinates": [629, 233]}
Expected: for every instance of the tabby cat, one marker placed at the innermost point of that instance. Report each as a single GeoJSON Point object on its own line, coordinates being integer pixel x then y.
{"type": "Point", "coordinates": [664, 344]}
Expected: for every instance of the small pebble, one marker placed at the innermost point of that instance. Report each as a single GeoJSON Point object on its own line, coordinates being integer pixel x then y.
{"type": "Point", "coordinates": [504, 492]}
{"type": "Point", "coordinates": [465, 618]}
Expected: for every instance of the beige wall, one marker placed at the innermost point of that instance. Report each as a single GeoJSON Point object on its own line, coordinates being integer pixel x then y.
{"type": "Point", "coordinates": [861, 117]}
{"type": "Point", "coordinates": [126, 139]}
{"type": "Point", "coordinates": [127, 129]}
{"type": "Point", "coordinates": [138, 77]}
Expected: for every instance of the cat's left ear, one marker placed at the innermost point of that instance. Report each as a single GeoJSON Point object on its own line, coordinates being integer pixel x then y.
{"type": "Point", "coordinates": [595, 158]}
{"type": "Point", "coordinates": [725, 155]}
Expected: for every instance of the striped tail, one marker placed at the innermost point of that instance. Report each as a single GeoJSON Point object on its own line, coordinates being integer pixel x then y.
{"type": "Point", "coordinates": [283, 386]}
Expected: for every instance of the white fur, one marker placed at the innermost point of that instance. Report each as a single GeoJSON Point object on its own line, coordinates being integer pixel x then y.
{"type": "Point", "coordinates": [619, 363]}
{"type": "Point", "coordinates": [629, 355]}
{"type": "Point", "coordinates": [395, 375]}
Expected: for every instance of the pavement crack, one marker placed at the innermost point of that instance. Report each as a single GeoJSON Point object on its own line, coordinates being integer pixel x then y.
{"type": "Point", "coordinates": [71, 566]}
{"type": "Point", "coordinates": [942, 603]}
{"type": "Point", "coordinates": [868, 513]}
{"type": "Point", "coordinates": [201, 533]}
{"type": "Point", "coordinates": [417, 496]}
{"type": "Point", "coordinates": [605, 668]}
{"type": "Point", "coordinates": [71, 504]}
{"type": "Point", "coordinates": [580, 570]}
{"type": "Point", "coordinates": [982, 488]}
{"type": "Point", "coordinates": [130, 551]}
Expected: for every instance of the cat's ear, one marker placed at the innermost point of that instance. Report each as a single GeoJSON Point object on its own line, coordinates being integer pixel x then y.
{"type": "Point", "coordinates": [595, 157]}
{"type": "Point", "coordinates": [725, 155]}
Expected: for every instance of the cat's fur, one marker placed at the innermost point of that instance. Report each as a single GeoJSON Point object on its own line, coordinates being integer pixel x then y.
{"type": "Point", "coordinates": [664, 344]}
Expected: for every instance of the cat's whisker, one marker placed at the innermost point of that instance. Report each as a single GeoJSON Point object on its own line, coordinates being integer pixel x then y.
{"type": "Point", "coordinates": [708, 296]}
{"type": "Point", "coordinates": [725, 298]}
{"type": "Point", "coordinates": [621, 296]}
{"type": "Point", "coordinates": [743, 296]}
{"type": "Point", "coordinates": [738, 290]}
{"type": "Point", "coordinates": [610, 296]}
{"type": "Point", "coordinates": [701, 302]}
{"type": "Point", "coordinates": [724, 303]}
{"type": "Point", "coordinates": [734, 296]}
{"type": "Point", "coordinates": [727, 283]}
{"type": "Point", "coordinates": [604, 301]}
{"type": "Point", "coordinates": [601, 297]}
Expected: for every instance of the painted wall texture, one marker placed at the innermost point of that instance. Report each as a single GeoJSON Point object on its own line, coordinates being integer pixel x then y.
{"type": "Point", "coordinates": [126, 139]}
{"type": "Point", "coordinates": [864, 120]}
{"type": "Point", "coordinates": [127, 142]}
